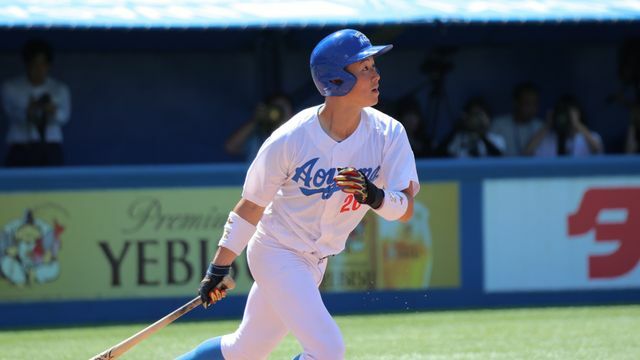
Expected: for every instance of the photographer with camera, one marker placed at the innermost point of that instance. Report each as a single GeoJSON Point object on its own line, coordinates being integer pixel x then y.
{"type": "Point", "coordinates": [267, 117]}
{"type": "Point", "coordinates": [36, 107]}
{"type": "Point", "coordinates": [564, 133]}
{"type": "Point", "coordinates": [471, 136]}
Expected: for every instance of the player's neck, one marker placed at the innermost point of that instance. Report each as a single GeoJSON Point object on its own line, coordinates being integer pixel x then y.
{"type": "Point", "coordinates": [339, 120]}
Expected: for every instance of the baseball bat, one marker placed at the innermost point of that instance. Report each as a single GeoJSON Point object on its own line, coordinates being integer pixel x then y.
{"type": "Point", "coordinates": [117, 350]}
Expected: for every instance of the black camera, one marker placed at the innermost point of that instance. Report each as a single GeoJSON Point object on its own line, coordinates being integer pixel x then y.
{"type": "Point", "coordinates": [45, 99]}
{"type": "Point", "coordinates": [475, 122]}
{"type": "Point", "coordinates": [268, 118]}
{"type": "Point", "coordinates": [561, 120]}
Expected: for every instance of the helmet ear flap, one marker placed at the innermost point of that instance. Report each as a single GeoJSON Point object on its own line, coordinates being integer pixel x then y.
{"type": "Point", "coordinates": [332, 82]}
{"type": "Point", "coordinates": [348, 81]}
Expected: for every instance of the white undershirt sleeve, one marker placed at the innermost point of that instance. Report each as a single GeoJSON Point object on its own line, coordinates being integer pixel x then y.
{"type": "Point", "coordinates": [394, 206]}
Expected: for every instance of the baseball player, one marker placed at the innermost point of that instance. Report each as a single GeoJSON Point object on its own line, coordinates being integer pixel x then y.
{"type": "Point", "coordinates": [310, 184]}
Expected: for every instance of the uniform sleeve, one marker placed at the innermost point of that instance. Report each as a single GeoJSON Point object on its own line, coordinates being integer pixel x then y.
{"type": "Point", "coordinates": [267, 172]}
{"type": "Point", "coordinates": [399, 164]}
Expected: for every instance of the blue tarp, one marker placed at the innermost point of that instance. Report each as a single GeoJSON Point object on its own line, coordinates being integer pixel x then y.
{"type": "Point", "coordinates": [158, 14]}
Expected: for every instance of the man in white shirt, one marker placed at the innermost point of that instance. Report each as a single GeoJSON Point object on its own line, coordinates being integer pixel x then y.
{"type": "Point", "coordinates": [564, 134]}
{"type": "Point", "coordinates": [518, 128]}
{"type": "Point", "coordinates": [471, 137]}
{"type": "Point", "coordinates": [36, 107]}
{"type": "Point", "coordinates": [309, 186]}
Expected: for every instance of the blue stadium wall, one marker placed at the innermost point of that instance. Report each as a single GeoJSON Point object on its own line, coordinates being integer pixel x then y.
{"type": "Point", "coordinates": [509, 253]}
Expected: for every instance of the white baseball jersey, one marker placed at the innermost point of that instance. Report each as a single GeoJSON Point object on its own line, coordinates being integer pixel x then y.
{"type": "Point", "coordinates": [292, 176]}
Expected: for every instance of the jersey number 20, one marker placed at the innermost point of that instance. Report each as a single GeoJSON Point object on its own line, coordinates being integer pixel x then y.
{"type": "Point", "coordinates": [350, 204]}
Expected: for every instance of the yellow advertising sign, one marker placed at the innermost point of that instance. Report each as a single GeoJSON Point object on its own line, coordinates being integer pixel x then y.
{"type": "Point", "coordinates": [384, 255]}
{"type": "Point", "coordinates": [110, 244]}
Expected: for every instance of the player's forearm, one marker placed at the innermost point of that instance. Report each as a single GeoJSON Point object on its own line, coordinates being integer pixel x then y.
{"type": "Point", "coordinates": [409, 213]}
{"type": "Point", "coordinates": [223, 256]}
{"type": "Point", "coordinates": [249, 211]}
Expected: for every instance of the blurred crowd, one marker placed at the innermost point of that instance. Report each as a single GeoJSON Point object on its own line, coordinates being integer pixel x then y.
{"type": "Point", "coordinates": [477, 133]}
{"type": "Point", "coordinates": [528, 130]}
{"type": "Point", "coordinates": [37, 106]}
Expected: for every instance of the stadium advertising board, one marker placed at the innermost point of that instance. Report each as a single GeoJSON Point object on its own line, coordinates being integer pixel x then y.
{"type": "Point", "coordinates": [108, 244]}
{"type": "Point", "coordinates": [562, 234]}
{"type": "Point", "coordinates": [386, 255]}
{"type": "Point", "coordinates": [111, 243]}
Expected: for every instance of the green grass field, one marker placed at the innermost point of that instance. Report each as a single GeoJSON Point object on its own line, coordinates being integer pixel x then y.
{"type": "Point", "coordinates": [547, 333]}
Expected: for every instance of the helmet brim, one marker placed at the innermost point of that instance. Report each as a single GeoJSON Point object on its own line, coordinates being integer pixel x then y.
{"type": "Point", "coordinates": [370, 51]}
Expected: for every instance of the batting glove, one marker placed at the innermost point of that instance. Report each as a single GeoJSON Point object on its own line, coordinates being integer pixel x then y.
{"type": "Point", "coordinates": [211, 290]}
{"type": "Point", "coordinates": [353, 181]}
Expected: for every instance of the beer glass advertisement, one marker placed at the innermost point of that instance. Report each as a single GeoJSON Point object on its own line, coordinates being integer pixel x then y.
{"type": "Point", "coordinates": [422, 253]}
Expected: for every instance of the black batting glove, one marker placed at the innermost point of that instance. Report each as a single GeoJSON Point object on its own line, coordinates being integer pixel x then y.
{"type": "Point", "coordinates": [353, 181]}
{"type": "Point", "coordinates": [211, 291]}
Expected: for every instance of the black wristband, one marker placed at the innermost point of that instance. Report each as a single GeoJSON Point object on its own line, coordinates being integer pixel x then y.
{"type": "Point", "coordinates": [375, 195]}
{"type": "Point", "coordinates": [217, 270]}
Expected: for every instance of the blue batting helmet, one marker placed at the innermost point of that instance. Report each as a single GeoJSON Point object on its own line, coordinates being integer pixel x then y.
{"type": "Point", "coordinates": [332, 55]}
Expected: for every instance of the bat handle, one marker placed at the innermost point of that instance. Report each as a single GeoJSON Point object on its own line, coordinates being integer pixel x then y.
{"type": "Point", "coordinates": [227, 283]}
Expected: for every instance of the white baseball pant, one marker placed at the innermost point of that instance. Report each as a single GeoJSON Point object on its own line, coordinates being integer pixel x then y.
{"type": "Point", "coordinates": [284, 297]}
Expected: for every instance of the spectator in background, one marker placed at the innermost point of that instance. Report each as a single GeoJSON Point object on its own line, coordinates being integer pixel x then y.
{"type": "Point", "coordinates": [632, 145]}
{"type": "Point", "coordinates": [564, 133]}
{"type": "Point", "coordinates": [629, 92]}
{"type": "Point", "coordinates": [267, 117]}
{"type": "Point", "coordinates": [36, 107]}
{"type": "Point", "coordinates": [519, 127]}
{"type": "Point", "coordinates": [410, 115]}
{"type": "Point", "coordinates": [471, 136]}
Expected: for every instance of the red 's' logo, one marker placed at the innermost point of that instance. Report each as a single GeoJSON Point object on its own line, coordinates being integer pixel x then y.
{"type": "Point", "coordinates": [626, 233]}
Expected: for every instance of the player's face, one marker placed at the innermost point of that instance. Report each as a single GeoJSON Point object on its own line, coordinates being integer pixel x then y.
{"type": "Point", "coordinates": [365, 91]}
